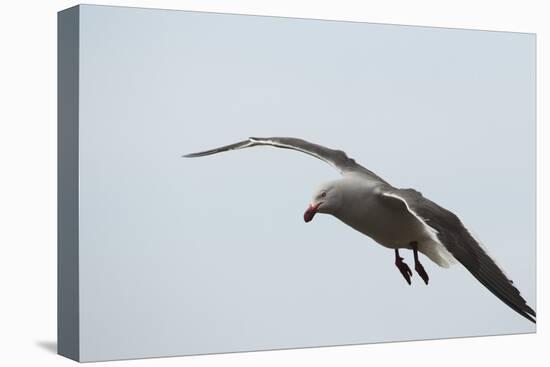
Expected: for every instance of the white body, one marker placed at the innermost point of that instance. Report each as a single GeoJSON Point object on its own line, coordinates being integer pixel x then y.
{"type": "Point", "coordinates": [364, 209]}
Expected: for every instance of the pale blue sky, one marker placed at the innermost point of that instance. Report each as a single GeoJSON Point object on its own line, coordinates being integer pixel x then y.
{"type": "Point", "coordinates": [208, 255]}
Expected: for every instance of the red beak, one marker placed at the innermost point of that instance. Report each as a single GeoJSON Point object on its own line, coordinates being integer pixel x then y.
{"type": "Point", "coordinates": [310, 212]}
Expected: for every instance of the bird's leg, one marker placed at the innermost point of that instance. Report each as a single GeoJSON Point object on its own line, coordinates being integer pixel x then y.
{"type": "Point", "coordinates": [403, 268]}
{"type": "Point", "coordinates": [417, 265]}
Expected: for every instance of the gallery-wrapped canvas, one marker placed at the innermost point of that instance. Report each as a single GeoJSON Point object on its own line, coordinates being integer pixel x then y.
{"type": "Point", "coordinates": [239, 183]}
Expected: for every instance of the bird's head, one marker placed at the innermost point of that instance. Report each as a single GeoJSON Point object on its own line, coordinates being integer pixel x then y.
{"type": "Point", "coordinates": [327, 199]}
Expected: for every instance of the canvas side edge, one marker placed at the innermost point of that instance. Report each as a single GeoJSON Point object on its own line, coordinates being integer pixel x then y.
{"type": "Point", "coordinates": [68, 328]}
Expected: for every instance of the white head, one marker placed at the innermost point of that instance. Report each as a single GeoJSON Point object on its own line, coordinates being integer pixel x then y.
{"type": "Point", "coordinates": [327, 199]}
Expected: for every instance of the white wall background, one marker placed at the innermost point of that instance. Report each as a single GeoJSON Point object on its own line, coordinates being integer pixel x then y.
{"type": "Point", "coordinates": [28, 182]}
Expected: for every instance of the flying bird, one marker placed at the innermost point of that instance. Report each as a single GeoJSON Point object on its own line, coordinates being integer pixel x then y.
{"type": "Point", "coordinates": [396, 219]}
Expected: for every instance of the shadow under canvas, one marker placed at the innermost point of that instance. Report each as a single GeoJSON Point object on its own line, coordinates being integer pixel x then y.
{"type": "Point", "coordinates": [48, 345]}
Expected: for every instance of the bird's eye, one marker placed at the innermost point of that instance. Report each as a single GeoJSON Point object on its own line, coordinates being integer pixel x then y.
{"type": "Point", "coordinates": [323, 194]}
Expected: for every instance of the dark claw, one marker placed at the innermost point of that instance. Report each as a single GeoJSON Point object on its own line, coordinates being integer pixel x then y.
{"type": "Point", "coordinates": [420, 270]}
{"type": "Point", "coordinates": [404, 269]}
{"type": "Point", "coordinates": [417, 265]}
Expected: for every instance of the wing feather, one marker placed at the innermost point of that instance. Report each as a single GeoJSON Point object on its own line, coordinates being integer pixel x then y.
{"type": "Point", "coordinates": [336, 158]}
{"type": "Point", "coordinates": [465, 248]}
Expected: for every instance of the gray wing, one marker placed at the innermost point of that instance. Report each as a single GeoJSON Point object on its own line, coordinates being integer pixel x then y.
{"type": "Point", "coordinates": [336, 158]}
{"type": "Point", "coordinates": [466, 249]}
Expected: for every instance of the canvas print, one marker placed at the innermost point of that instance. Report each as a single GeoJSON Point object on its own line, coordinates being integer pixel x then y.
{"type": "Point", "coordinates": [239, 183]}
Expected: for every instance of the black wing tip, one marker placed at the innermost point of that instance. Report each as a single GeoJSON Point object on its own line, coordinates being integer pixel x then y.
{"type": "Point", "coordinates": [201, 154]}
{"type": "Point", "coordinates": [238, 145]}
{"type": "Point", "coordinates": [517, 303]}
{"type": "Point", "coordinates": [192, 155]}
{"type": "Point", "coordinates": [526, 312]}
{"type": "Point", "coordinates": [529, 316]}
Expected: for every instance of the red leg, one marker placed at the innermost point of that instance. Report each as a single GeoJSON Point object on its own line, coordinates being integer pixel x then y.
{"type": "Point", "coordinates": [403, 268]}
{"type": "Point", "coordinates": [417, 265]}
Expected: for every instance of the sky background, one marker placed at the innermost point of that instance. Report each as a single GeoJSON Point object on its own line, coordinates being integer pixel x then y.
{"type": "Point", "coordinates": [181, 256]}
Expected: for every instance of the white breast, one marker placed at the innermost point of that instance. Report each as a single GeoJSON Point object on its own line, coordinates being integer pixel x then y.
{"type": "Point", "coordinates": [364, 211]}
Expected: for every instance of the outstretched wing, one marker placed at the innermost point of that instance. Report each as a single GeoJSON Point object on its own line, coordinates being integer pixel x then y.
{"type": "Point", "coordinates": [336, 158]}
{"type": "Point", "coordinates": [463, 246]}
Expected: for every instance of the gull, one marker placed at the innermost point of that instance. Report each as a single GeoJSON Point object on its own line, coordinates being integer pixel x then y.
{"type": "Point", "coordinates": [396, 219]}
